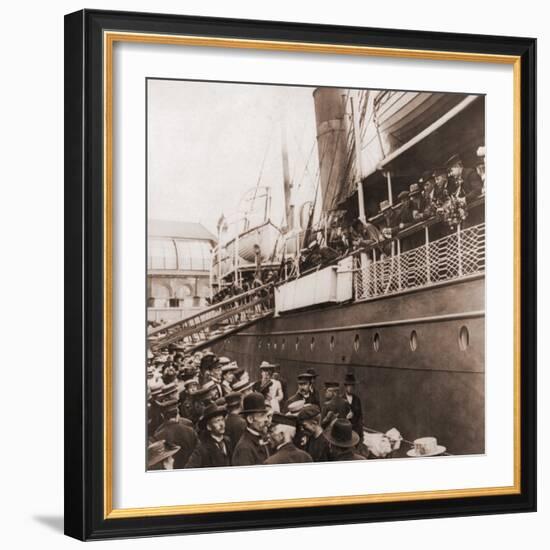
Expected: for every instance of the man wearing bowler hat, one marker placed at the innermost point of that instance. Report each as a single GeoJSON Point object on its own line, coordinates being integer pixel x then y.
{"type": "Point", "coordinates": [281, 434]}
{"type": "Point", "coordinates": [317, 445]}
{"type": "Point", "coordinates": [342, 440]}
{"type": "Point", "coordinates": [355, 416]}
{"type": "Point", "coordinates": [252, 447]}
{"type": "Point", "coordinates": [214, 448]}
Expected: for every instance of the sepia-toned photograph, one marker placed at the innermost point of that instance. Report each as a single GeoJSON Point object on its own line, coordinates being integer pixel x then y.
{"type": "Point", "coordinates": [315, 274]}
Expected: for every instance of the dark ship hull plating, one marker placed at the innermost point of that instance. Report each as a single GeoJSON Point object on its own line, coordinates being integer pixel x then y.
{"type": "Point", "coordinates": [418, 358]}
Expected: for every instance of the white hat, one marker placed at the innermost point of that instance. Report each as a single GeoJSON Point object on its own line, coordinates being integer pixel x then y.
{"type": "Point", "coordinates": [426, 446]}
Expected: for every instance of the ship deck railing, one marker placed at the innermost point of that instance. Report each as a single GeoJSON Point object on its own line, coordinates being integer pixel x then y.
{"type": "Point", "coordinates": [373, 249]}
{"type": "Point", "coordinates": [458, 255]}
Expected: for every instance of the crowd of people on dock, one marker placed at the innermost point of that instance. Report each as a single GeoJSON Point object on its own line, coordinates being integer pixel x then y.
{"type": "Point", "coordinates": [205, 411]}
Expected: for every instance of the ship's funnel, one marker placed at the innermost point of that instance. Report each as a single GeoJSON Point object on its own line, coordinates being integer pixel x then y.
{"type": "Point", "coordinates": [332, 133]}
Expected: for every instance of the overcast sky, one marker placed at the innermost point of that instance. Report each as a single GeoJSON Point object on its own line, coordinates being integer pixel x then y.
{"type": "Point", "coordinates": [207, 141]}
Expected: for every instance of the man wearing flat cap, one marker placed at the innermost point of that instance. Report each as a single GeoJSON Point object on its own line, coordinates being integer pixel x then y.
{"type": "Point", "coordinates": [317, 445]}
{"type": "Point", "coordinates": [281, 434]}
{"type": "Point", "coordinates": [214, 448]}
{"type": "Point", "coordinates": [252, 447]}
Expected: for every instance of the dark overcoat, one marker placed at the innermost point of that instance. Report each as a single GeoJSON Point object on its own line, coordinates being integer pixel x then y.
{"type": "Point", "coordinates": [209, 454]}
{"type": "Point", "coordinates": [288, 454]}
{"type": "Point", "coordinates": [235, 425]}
{"type": "Point", "coordinates": [179, 433]}
{"type": "Point", "coordinates": [250, 450]}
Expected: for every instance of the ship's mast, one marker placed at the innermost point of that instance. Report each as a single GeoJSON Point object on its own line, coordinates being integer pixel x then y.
{"type": "Point", "coordinates": [358, 155]}
{"type": "Point", "coordinates": [289, 207]}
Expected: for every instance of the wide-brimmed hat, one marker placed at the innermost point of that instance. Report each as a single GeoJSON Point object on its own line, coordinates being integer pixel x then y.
{"type": "Point", "coordinates": [264, 365]}
{"type": "Point", "coordinates": [159, 451]}
{"type": "Point", "coordinates": [426, 446]}
{"type": "Point", "coordinates": [305, 377]}
{"type": "Point", "coordinates": [295, 407]}
{"type": "Point", "coordinates": [349, 379]}
{"type": "Point", "coordinates": [189, 381]}
{"type": "Point", "coordinates": [230, 367]}
{"type": "Point", "coordinates": [332, 385]}
{"type": "Point", "coordinates": [205, 388]}
{"type": "Point", "coordinates": [313, 372]}
{"type": "Point", "coordinates": [254, 403]}
{"type": "Point", "coordinates": [341, 434]}
{"type": "Point", "coordinates": [223, 361]}
{"type": "Point", "coordinates": [242, 385]}
{"type": "Point", "coordinates": [439, 172]}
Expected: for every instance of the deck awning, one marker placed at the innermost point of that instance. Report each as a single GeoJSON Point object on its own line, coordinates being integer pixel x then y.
{"type": "Point", "coordinates": [427, 131]}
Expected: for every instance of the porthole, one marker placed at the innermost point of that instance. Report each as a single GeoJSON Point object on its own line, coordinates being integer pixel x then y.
{"type": "Point", "coordinates": [356, 342]}
{"type": "Point", "coordinates": [268, 346]}
{"type": "Point", "coordinates": [274, 345]}
{"type": "Point", "coordinates": [376, 342]}
{"type": "Point", "coordinates": [283, 344]}
{"type": "Point", "coordinates": [297, 343]}
{"type": "Point", "coordinates": [332, 343]}
{"type": "Point", "coordinates": [463, 338]}
{"type": "Point", "coordinates": [260, 343]}
{"type": "Point", "coordinates": [312, 343]}
{"type": "Point", "coordinates": [413, 340]}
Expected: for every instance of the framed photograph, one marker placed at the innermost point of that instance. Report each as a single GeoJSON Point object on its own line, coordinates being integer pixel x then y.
{"type": "Point", "coordinates": [300, 274]}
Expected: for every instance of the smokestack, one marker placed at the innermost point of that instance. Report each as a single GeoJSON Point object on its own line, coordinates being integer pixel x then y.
{"type": "Point", "coordinates": [332, 132]}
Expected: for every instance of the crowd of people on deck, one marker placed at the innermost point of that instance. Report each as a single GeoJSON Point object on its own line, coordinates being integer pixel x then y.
{"type": "Point", "coordinates": [443, 193]}
{"type": "Point", "coordinates": [205, 411]}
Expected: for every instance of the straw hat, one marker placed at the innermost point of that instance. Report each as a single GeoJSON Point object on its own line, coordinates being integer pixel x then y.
{"type": "Point", "coordinates": [159, 451]}
{"type": "Point", "coordinates": [426, 446]}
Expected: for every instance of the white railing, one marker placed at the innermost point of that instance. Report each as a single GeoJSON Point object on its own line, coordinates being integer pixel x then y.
{"type": "Point", "coordinates": [461, 254]}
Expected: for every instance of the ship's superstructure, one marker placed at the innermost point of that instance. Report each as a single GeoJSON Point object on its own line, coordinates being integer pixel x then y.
{"type": "Point", "coordinates": [403, 307]}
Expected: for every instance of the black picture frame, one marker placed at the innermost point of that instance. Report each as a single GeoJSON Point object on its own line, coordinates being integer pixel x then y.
{"type": "Point", "coordinates": [84, 282]}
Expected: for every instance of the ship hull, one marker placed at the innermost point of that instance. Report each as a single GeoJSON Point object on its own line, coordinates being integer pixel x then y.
{"type": "Point", "coordinates": [418, 357]}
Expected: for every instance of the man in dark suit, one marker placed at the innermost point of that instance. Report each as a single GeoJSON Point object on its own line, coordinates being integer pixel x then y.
{"type": "Point", "coordinates": [304, 392]}
{"type": "Point", "coordinates": [176, 431]}
{"type": "Point", "coordinates": [317, 445]}
{"type": "Point", "coordinates": [465, 181]}
{"type": "Point", "coordinates": [252, 447]}
{"type": "Point", "coordinates": [334, 406]}
{"type": "Point", "coordinates": [282, 432]}
{"type": "Point", "coordinates": [214, 448]}
{"type": "Point", "coordinates": [355, 415]}
{"type": "Point", "coordinates": [235, 424]}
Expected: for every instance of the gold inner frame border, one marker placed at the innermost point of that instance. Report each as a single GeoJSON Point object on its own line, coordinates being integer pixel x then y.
{"type": "Point", "coordinates": [109, 39]}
